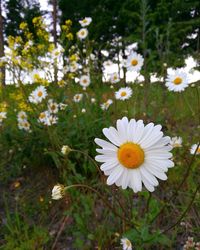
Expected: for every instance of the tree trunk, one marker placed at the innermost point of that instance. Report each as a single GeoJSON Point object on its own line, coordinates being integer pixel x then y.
{"type": "Point", "coordinates": [2, 68]}
{"type": "Point", "coordinates": [54, 2]}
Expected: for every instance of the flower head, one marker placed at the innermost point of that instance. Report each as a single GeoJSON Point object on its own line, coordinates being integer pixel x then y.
{"type": "Point", "coordinates": [134, 62]}
{"type": "Point", "coordinates": [136, 154]}
{"type": "Point", "coordinates": [126, 244]}
{"type": "Point", "coordinates": [58, 192]}
{"type": "Point", "coordinates": [177, 81]}
{"type": "Point", "coordinates": [38, 94]}
{"type": "Point", "coordinates": [176, 142]}
{"type": "Point", "coordinates": [78, 97]}
{"type": "Point", "coordinates": [82, 33]}
{"type": "Point", "coordinates": [123, 93]}
{"type": "Point", "coordinates": [106, 105]}
{"type": "Point", "coordinates": [65, 149]}
{"type": "Point", "coordinates": [85, 22]}
{"type": "Point", "coordinates": [84, 81]}
{"type": "Point", "coordinates": [194, 149]}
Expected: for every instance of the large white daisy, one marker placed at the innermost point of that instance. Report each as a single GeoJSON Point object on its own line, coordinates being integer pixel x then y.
{"type": "Point", "coordinates": [177, 81]}
{"type": "Point", "coordinates": [136, 154]}
{"type": "Point", "coordinates": [38, 94]}
{"type": "Point", "coordinates": [123, 93]}
{"type": "Point", "coordinates": [134, 62]}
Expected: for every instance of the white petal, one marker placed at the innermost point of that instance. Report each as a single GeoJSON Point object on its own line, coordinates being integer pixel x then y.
{"type": "Point", "coordinates": [131, 129]}
{"type": "Point", "coordinates": [109, 165]}
{"type": "Point", "coordinates": [114, 176]}
{"type": "Point", "coordinates": [158, 174]}
{"type": "Point", "coordinates": [135, 180]}
{"type": "Point", "coordinates": [112, 135]}
{"type": "Point", "coordinates": [104, 158]}
{"type": "Point", "coordinates": [122, 128]}
{"type": "Point", "coordinates": [104, 144]}
{"type": "Point", "coordinates": [151, 178]}
{"type": "Point", "coordinates": [137, 134]}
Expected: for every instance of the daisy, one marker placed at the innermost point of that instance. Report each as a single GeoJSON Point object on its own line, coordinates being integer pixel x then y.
{"type": "Point", "coordinates": [65, 149]}
{"type": "Point", "coordinates": [82, 33]}
{"type": "Point", "coordinates": [3, 115]}
{"type": "Point", "coordinates": [63, 106]}
{"type": "Point", "coordinates": [21, 116]}
{"type": "Point", "coordinates": [176, 142]}
{"type": "Point", "coordinates": [177, 81]}
{"type": "Point", "coordinates": [123, 93]}
{"type": "Point", "coordinates": [53, 107]}
{"type": "Point", "coordinates": [106, 105]}
{"type": "Point", "coordinates": [194, 148]}
{"type": "Point", "coordinates": [126, 244]}
{"type": "Point", "coordinates": [38, 94]}
{"type": "Point", "coordinates": [136, 154]}
{"type": "Point", "coordinates": [114, 78]}
{"type": "Point", "coordinates": [58, 192]}
{"type": "Point", "coordinates": [134, 62]}
{"type": "Point", "coordinates": [85, 22]}
{"type": "Point", "coordinates": [84, 81]}
{"type": "Point", "coordinates": [24, 125]}
{"type": "Point", "coordinates": [78, 97]}
{"type": "Point", "coordinates": [73, 67]}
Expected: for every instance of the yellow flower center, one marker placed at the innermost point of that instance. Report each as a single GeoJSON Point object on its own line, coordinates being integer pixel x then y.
{"type": "Point", "coordinates": [42, 115]}
{"type": "Point", "coordinates": [130, 155]}
{"type": "Point", "coordinates": [123, 93]}
{"type": "Point", "coordinates": [134, 62]}
{"type": "Point", "coordinates": [177, 80]}
{"type": "Point", "coordinates": [82, 33]}
{"type": "Point", "coordinates": [198, 150]}
{"type": "Point", "coordinates": [85, 81]}
{"type": "Point", "coordinates": [40, 93]}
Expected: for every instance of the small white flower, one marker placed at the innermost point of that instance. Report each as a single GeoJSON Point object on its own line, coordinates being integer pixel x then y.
{"type": "Point", "coordinates": [93, 100]}
{"type": "Point", "coordinates": [85, 22]}
{"type": "Point", "coordinates": [24, 125]}
{"type": "Point", "coordinates": [73, 67]}
{"type": "Point", "coordinates": [194, 148]}
{"type": "Point", "coordinates": [58, 192]}
{"type": "Point", "coordinates": [177, 81]}
{"type": "Point", "coordinates": [62, 106]}
{"type": "Point", "coordinates": [134, 62]}
{"type": "Point", "coordinates": [106, 105]}
{"type": "Point", "coordinates": [65, 149]}
{"type": "Point", "coordinates": [78, 97]}
{"type": "Point", "coordinates": [84, 81]}
{"type": "Point", "coordinates": [126, 244]}
{"type": "Point", "coordinates": [114, 78]}
{"type": "Point", "coordinates": [176, 142]}
{"type": "Point", "coordinates": [3, 115]}
{"type": "Point", "coordinates": [123, 93]}
{"type": "Point", "coordinates": [38, 95]}
{"type": "Point", "coordinates": [53, 107]}
{"type": "Point", "coordinates": [21, 116]}
{"type": "Point", "coordinates": [82, 33]}
{"type": "Point", "coordinates": [83, 110]}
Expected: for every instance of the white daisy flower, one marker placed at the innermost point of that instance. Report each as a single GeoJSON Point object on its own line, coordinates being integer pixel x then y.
{"type": "Point", "coordinates": [83, 110]}
{"type": "Point", "coordinates": [82, 33]}
{"type": "Point", "coordinates": [73, 67]}
{"type": "Point", "coordinates": [78, 97]}
{"type": "Point", "coordinates": [114, 78]}
{"type": "Point", "coordinates": [43, 116]}
{"type": "Point", "coordinates": [126, 244]}
{"type": "Point", "coordinates": [21, 116]}
{"type": "Point", "coordinates": [85, 22]}
{"type": "Point", "coordinates": [58, 192]}
{"type": "Point", "coordinates": [93, 100]}
{"type": "Point", "coordinates": [63, 106]}
{"type": "Point", "coordinates": [24, 125]}
{"type": "Point", "coordinates": [136, 154]}
{"type": "Point", "coordinates": [106, 105]}
{"type": "Point", "coordinates": [53, 107]}
{"type": "Point", "coordinates": [65, 149]}
{"type": "Point", "coordinates": [123, 93]}
{"type": "Point", "coordinates": [84, 81]}
{"type": "Point", "coordinates": [3, 115]}
{"type": "Point", "coordinates": [177, 81]}
{"type": "Point", "coordinates": [134, 62]}
{"type": "Point", "coordinates": [38, 94]}
{"type": "Point", "coordinates": [176, 142]}
{"type": "Point", "coordinates": [194, 148]}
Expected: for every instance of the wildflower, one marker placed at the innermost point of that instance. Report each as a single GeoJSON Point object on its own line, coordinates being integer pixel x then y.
{"type": "Point", "coordinates": [126, 244]}
{"type": "Point", "coordinates": [189, 243]}
{"type": "Point", "coordinates": [194, 148]}
{"type": "Point", "coordinates": [106, 105]}
{"type": "Point", "coordinates": [65, 149]}
{"type": "Point", "coordinates": [78, 97]}
{"type": "Point", "coordinates": [73, 67]}
{"type": "Point", "coordinates": [114, 78]}
{"type": "Point", "coordinates": [93, 100]}
{"type": "Point", "coordinates": [38, 94]}
{"type": "Point", "coordinates": [136, 153]}
{"type": "Point", "coordinates": [85, 22]}
{"type": "Point", "coordinates": [176, 142]}
{"type": "Point", "coordinates": [84, 81]}
{"type": "Point", "coordinates": [52, 106]}
{"type": "Point", "coordinates": [58, 192]}
{"type": "Point", "coordinates": [134, 62]}
{"type": "Point", "coordinates": [21, 116]}
{"type": "Point", "coordinates": [62, 106]}
{"type": "Point", "coordinates": [82, 33]}
{"type": "Point", "coordinates": [83, 110]}
{"type": "Point", "coordinates": [177, 81]}
{"type": "Point", "coordinates": [24, 125]}
{"type": "Point", "coordinates": [3, 115]}
{"type": "Point", "coordinates": [123, 93]}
